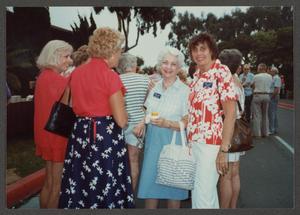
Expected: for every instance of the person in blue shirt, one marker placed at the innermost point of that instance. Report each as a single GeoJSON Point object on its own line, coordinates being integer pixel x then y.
{"type": "Point", "coordinates": [247, 80]}
{"type": "Point", "coordinates": [275, 90]}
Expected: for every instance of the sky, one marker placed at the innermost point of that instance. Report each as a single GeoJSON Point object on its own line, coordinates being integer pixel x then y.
{"type": "Point", "coordinates": [148, 46]}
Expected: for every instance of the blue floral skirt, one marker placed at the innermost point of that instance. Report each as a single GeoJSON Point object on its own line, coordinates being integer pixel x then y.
{"type": "Point", "coordinates": [96, 170]}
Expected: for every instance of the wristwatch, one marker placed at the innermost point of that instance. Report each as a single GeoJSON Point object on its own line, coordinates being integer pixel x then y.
{"type": "Point", "coordinates": [225, 151]}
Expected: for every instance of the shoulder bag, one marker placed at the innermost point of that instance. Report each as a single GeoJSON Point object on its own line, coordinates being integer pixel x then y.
{"type": "Point", "coordinates": [61, 118]}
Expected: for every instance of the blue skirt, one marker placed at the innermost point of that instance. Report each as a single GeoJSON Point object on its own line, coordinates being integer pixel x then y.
{"type": "Point", "coordinates": [96, 171]}
{"type": "Point", "coordinates": [155, 139]}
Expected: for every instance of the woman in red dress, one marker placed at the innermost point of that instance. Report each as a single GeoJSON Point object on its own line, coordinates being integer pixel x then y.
{"type": "Point", "coordinates": [53, 61]}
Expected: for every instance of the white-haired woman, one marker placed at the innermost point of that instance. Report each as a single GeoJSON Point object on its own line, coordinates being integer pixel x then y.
{"type": "Point", "coordinates": [136, 90]}
{"type": "Point", "coordinates": [53, 61]}
{"type": "Point", "coordinates": [169, 98]}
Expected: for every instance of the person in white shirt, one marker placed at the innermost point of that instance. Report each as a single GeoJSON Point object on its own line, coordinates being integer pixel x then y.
{"type": "Point", "coordinates": [275, 90]}
{"type": "Point", "coordinates": [260, 104]}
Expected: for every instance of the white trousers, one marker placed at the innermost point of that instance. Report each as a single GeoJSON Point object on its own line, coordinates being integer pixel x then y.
{"type": "Point", "coordinates": [205, 194]}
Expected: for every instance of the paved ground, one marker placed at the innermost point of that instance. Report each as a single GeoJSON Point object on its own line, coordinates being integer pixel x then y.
{"type": "Point", "coordinates": [267, 179]}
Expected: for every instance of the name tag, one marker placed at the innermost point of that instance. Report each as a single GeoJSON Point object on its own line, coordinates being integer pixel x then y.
{"type": "Point", "coordinates": [157, 95]}
{"type": "Point", "coordinates": [207, 84]}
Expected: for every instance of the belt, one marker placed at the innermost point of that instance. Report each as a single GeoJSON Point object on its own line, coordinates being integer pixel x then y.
{"type": "Point", "coordinates": [260, 93]}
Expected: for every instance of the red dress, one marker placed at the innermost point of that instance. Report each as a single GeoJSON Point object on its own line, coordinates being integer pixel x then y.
{"type": "Point", "coordinates": [49, 87]}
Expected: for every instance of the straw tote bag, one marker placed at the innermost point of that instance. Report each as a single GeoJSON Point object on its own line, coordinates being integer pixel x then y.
{"type": "Point", "coordinates": [176, 164]}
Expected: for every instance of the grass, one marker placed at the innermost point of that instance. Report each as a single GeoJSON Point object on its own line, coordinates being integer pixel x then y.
{"type": "Point", "coordinates": [21, 155]}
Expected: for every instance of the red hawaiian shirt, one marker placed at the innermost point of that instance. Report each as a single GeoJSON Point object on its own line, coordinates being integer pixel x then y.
{"type": "Point", "coordinates": [205, 123]}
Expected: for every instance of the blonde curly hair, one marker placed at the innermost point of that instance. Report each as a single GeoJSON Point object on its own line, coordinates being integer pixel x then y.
{"type": "Point", "coordinates": [80, 55]}
{"type": "Point", "coordinates": [105, 42]}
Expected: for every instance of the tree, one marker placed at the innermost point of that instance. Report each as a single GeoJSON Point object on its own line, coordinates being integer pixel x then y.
{"type": "Point", "coordinates": [182, 30]}
{"type": "Point", "coordinates": [25, 37]}
{"type": "Point", "coordinates": [147, 19]}
{"type": "Point", "coordinates": [264, 44]}
{"type": "Point", "coordinates": [262, 34]}
{"type": "Point", "coordinates": [83, 31]}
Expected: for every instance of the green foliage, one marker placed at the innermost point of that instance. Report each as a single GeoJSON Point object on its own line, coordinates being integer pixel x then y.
{"type": "Point", "coordinates": [264, 44]}
{"type": "Point", "coordinates": [262, 34]}
{"type": "Point", "coordinates": [182, 30]}
{"type": "Point", "coordinates": [148, 19]}
{"type": "Point", "coordinates": [20, 70]}
{"type": "Point", "coordinates": [21, 155]}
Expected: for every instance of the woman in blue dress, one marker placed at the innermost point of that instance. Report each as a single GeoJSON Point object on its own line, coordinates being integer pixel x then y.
{"type": "Point", "coordinates": [168, 99]}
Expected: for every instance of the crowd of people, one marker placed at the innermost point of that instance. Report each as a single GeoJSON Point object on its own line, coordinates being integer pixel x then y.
{"type": "Point", "coordinates": [121, 115]}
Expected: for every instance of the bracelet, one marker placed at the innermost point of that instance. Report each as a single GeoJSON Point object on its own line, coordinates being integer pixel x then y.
{"type": "Point", "coordinates": [221, 150]}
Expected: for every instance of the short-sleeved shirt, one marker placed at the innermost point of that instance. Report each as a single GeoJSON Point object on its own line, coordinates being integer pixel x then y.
{"type": "Point", "coordinates": [275, 83]}
{"type": "Point", "coordinates": [172, 103]}
{"type": "Point", "coordinates": [208, 89]}
{"type": "Point", "coordinates": [249, 80]}
{"type": "Point", "coordinates": [92, 84]}
{"type": "Point", "coordinates": [136, 90]}
{"type": "Point", "coordinates": [262, 83]}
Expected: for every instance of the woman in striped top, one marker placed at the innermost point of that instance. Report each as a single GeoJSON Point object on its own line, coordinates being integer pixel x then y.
{"type": "Point", "coordinates": [136, 86]}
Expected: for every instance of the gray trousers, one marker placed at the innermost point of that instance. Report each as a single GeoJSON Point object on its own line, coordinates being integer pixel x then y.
{"type": "Point", "coordinates": [260, 106]}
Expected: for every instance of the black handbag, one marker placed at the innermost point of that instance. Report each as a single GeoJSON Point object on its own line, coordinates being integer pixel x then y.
{"type": "Point", "coordinates": [62, 118]}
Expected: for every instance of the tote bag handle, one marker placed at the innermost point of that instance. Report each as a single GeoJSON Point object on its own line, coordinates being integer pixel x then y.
{"type": "Point", "coordinates": [182, 134]}
{"type": "Point", "coordinates": [183, 137]}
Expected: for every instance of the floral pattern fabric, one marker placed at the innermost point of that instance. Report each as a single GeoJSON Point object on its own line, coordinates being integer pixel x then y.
{"type": "Point", "coordinates": [96, 170]}
{"type": "Point", "coordinates": [205, 124]}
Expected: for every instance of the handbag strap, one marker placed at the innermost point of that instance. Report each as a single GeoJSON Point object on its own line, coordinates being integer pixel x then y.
{"type": "Point", "coordinates": [68, 85]}
{"type": "Point", "coordinates": [182, 134]}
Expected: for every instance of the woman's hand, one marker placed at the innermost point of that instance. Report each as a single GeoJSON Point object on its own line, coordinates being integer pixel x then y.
{"type": "Point", "coordinates": [138, 130]}
{"type": "Point", "coordinates": [222, 163]}
{"type": "Point", "coordinates": [160, 122]}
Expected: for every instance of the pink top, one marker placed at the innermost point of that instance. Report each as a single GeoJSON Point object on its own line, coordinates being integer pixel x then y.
{"type": "Point", "coordinates": [91, 86]}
